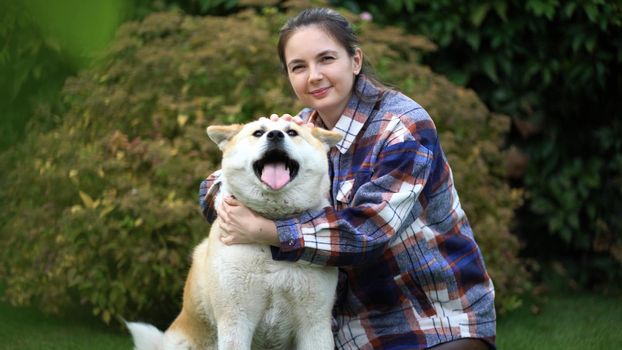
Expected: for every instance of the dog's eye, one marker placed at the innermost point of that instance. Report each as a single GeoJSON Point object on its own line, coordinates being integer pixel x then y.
{"type": "Point", "coordinates": [258, 133]}
{"type": "Point", "coordinates": [292, 132]}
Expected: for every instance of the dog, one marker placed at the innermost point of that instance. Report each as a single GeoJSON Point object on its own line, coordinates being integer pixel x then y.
{"type": "Point", "coordinates": [238, 297]}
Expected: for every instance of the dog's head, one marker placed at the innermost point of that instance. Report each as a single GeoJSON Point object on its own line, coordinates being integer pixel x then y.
{"type": "Point", "coordinates": [277, 168]}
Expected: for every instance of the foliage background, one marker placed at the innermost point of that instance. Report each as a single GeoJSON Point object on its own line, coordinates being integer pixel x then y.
{"type": "Point", "coordinates": [99, 197]}
{"type": "Point", "coordinates": [40, 45]}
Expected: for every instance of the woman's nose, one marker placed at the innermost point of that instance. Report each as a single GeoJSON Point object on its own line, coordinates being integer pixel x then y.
{"type": "Point", "coordinates": [315, 74]}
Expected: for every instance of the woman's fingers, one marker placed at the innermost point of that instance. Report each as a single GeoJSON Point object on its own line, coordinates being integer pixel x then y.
{"type": "Point", "coordinates": [296, 120]}
{"type": "Point", "coordinates": [227, 240]}
{"type": "Point", "coordinates": [275, 117]}
{"type": "Point", "coordinates": [223, 212]}
{"type": "Point", "coordinates": [225, 237]}
{"type": "Point", "coordinates": [220, 211]}
{"type": "Point", "coordinates": [228, 213]}
{"type": "Point", "coordinates": [289, 118]}
{"type": "Point", "coordinates": [224, 209]}
{"type": "Point", "coordinates": [230, 201]}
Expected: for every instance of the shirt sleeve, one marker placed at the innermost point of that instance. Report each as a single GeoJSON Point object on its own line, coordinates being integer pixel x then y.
{"type": "Point", "coordinates": [207, 195]}
{"type": "Point", "coordinates": [379, 208]}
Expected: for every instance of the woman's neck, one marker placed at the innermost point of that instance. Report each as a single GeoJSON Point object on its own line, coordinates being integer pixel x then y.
{"type": "Point", "coordinates": [330, 118]}
{"type": "Point", "coordinates": [328, 121]}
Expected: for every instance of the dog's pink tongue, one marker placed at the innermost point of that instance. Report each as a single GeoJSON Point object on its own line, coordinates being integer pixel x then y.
{"type": "Point", "coordinates": [275, 175]}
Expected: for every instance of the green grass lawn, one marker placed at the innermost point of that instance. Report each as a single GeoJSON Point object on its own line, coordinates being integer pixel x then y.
{"type": "Point", "coordinates": [568, 321]}
{"type": "Point", "coordinates": [29, 329]}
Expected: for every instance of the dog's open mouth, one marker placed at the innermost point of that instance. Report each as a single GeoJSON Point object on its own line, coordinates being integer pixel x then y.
{"type": "Point", "coordinates": [276, 169]}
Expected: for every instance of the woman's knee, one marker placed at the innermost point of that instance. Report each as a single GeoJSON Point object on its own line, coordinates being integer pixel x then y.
{"type": "Point", "coordinates": [463, 344]}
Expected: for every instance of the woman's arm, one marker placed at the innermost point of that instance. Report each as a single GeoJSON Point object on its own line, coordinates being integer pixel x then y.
{"type": "Point", "coordinates": [379, 209]}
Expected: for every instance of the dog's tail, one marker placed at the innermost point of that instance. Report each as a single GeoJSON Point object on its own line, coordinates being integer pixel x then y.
{"type": "Point", "coordinates": [146, 336]}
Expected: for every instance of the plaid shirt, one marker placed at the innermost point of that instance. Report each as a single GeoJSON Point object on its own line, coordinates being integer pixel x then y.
{"type": "Point", "coordinates": [411, 273]}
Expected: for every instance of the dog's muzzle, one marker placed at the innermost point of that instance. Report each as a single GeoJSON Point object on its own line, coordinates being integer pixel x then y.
{"type": "Point", "coordinates": [276, 169]}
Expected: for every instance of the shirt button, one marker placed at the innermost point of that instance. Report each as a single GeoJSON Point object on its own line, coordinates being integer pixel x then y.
{"type": "Point", "coordinates": [291, 243]}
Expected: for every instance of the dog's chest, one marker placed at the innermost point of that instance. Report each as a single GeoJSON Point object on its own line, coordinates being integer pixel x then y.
{"type": "Point", "coordinates": [254, 263]}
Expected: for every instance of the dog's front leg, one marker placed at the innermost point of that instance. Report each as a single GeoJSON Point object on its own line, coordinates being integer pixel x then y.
{"type": "Point", "coordinates": [313, 313]}
{"type": "Point", "coordinates": [317, 335]}
{"type": "Point", "coordinates": [232, 337]}
{"type": "Point", "coordinates": [238, 317]}
{"type": "Point", "coordinates": [236, 334]}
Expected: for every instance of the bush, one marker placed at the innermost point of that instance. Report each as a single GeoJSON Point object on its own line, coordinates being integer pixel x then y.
{"type": "Point", "coordinates": [103, 208]}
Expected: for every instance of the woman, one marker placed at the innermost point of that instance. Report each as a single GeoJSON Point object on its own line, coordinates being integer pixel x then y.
{"type": "Point", "coordinates": [411, 274]}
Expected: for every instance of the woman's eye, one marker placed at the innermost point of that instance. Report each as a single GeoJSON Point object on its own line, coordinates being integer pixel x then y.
{"type": "Point", "coordinates": [258, 133]}
{"type": "Point", "coordinates": [327, 58]}
{"type": "Point", "coordinates": [296, 68]}
{"type": "Point", "coordinates": [292, 132]}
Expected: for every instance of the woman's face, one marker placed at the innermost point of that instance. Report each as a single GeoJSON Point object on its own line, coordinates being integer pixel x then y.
{"type": "Point", "coordinates": [321, 71]}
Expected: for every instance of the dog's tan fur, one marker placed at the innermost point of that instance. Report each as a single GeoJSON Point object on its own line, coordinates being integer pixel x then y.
{"type": "Point", "coordinates": [238, 297]}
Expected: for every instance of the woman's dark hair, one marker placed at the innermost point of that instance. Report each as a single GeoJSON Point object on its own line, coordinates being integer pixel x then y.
{"type": "Point", "coordinates": [335, 25]}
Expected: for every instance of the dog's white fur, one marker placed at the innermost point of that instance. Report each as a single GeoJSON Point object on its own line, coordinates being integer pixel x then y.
{"type": "Point", "coordinates": [237, 297]}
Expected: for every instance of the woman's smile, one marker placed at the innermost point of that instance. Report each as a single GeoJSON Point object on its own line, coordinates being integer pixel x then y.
{"type": "Point", "coordinates": [321, 92]}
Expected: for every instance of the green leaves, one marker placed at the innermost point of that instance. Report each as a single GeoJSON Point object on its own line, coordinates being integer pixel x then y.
{"type": "Point", "coordinates": [478, 13]}
{"type": "Point", "coordinates": [544, 8]}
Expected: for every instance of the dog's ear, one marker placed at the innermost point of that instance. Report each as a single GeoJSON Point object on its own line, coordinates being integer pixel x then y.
{"type": "Point", "coordinates": [221, 134]}
{"type": "Point", "coordinates": [328, 137]}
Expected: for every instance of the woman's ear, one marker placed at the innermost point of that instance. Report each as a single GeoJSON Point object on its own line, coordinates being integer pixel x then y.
{"type": "Point", "coordinates": [357, 61]}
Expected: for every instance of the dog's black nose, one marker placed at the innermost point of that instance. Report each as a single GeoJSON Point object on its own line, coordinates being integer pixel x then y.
{"type": "Point", "coordinates": [275, 136]}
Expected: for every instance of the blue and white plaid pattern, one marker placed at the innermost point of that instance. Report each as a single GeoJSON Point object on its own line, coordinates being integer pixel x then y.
{"type": "Point", "coordinates": [411, 274]}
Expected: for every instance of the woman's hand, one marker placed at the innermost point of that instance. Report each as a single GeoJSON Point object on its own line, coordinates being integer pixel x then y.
{"type": "Point", "coordinates": [242, 225]}
{"type": "Point", "coordinates": [289, 118]}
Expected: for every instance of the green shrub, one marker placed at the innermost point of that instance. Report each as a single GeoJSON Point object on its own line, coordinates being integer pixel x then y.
{"type": "Point", "coordinates": [103, 209]}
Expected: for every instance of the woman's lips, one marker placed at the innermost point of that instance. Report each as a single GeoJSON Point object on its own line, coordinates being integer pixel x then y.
{"type": "Point", "coordinates": [318, 93]}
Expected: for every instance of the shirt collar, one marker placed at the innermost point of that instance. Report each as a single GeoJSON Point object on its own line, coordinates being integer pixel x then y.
{"type": "Point", "coordinates": [355, 115]}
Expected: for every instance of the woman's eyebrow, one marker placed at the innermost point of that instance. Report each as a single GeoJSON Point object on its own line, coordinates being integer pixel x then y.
{"type": "Point", "coordinates": [327, 52]}
{"type": "Point", "coordinates": [294, 61]}
{"type": "Point", "coordinates": [320, 54]}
